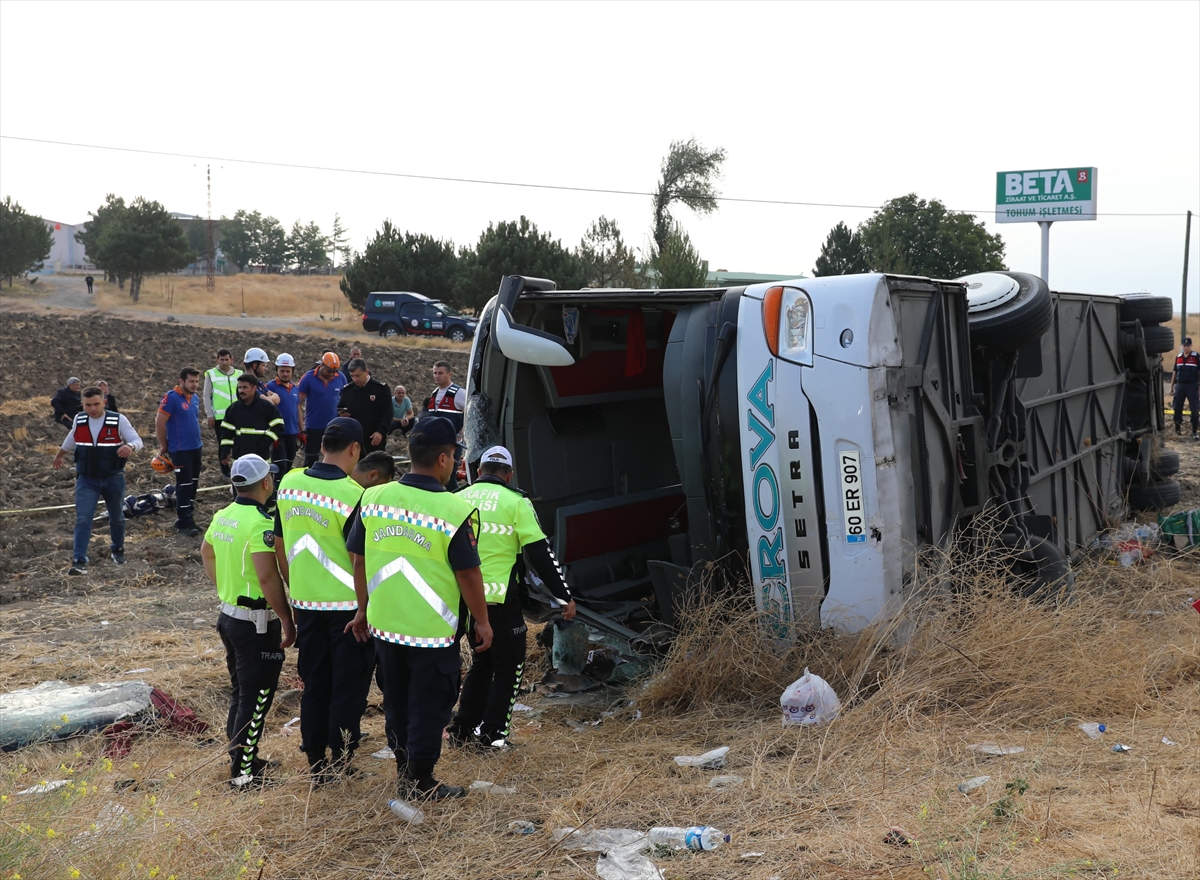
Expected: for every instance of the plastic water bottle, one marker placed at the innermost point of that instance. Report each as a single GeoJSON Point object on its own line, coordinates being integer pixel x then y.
{"type": "Point", "coordinates": [406, 811]}
{"type": "Point", "coordinates": [697, 837]}
{"type": "Point", "coordinates": [1092, 729]}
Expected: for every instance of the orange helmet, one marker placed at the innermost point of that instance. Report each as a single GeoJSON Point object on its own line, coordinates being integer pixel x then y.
{"type": "Point", "coordinates": [162, 464]}
{"type": "Point", "coordinates": [331, 360]}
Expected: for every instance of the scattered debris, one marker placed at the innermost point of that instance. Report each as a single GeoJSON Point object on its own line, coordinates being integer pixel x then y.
{"type": "Point", "coordinates": [522, 826]}
{"type": "Point", "coordinates": [973, 783]}
{"type": "Point", "coordinates": [56, 709]}
{"type": "Point", "coordinates": [290, 728]}
{"type": "Point", "coordinates": [626, 864]}
{"type": "Point", "coordinates": [167, 714]}
{"type": "Point", "coordinates": [993, 749]}
{"type": "Point", "coordinates": [111, 817]}
{"type": "Point", "coordinates": [1093, 729]}
{"type": "Point", "coordinates": [1169, 742]}
{"type": "Point", "coordinates": [137, 671]}
{"type": "Point", "coordinates": [385, 754]}
{"type": "Point", "coordinates": [521, 707]}
{"type": "Point", "coordinates": [406, 812]}
{"type": "Point", "coordinates": [491, 787]}
{"type": "Point", "coordinates": [45, 787]}
{"type": "Point", "coordinates": [752, 855]}
{"type": "Point", "coordinates": [712, 760]}
{"type": "Point", "coordinates": [1120, 747]}
{"type": "Point", "coordinates": [809, 701]}
{"type": "Point", "coordinates": [730, 781]}
{"type": "Point", "coordinates": [897, 836]}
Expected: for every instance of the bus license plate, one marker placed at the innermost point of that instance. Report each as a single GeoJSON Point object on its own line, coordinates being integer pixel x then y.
{"type": "Point", "coordinates": [852, 497]}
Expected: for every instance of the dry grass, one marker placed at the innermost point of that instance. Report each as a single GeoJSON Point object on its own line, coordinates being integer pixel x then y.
{"type": "Point", "coordinates": [266, 296]}
{"type": "Point", "coordinates": [32, 406]}
{"type": "Point", "coordinates": [959, 668]}
{"type": "Point", "coordinates": [21, 289]}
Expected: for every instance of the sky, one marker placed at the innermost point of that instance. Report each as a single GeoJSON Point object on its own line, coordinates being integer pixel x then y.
{"type": "Point", "coordinates": [831, 103]}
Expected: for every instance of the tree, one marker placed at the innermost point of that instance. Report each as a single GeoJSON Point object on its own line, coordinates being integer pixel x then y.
{"type": "Point", "coordinates": [514, 248]}
{"type": "Point", "coordinates": [272, 245]}
{"type": "Point", "coordinates": [678, 264]}
{"type": "Point", "coordinates": [842, 253]}
{"type": "Point", "coordinates": [241, 238]}
{"type": "Point", "coordinates": [25, 240]}
{"type": "Point", "coordinates": [911, 236]}
{"type": "Point", "coordinates": [307, 247]}
{"type": "Point", "coordinates": [142, 239]}
{"type": "Point", "coordinates": [607, 262]}
{"type": "Point", "coordinates": [401, 261]}
{"type": "Point", "coordinates": [688, 172]}
{"type": "Point", "coordinates": [196, 231]}
{"type": "Point", "coordinates": [337, 241]}
{"type": "Point", "coordinates": [112, 209]}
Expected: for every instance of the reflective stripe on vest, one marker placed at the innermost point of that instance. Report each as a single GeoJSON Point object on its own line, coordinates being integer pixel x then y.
{"type": "Point", "coordinates": [314, 513]}
{"type": "Point", "coordinates": [499, 543]}
{"type": "Point", "coordinates": [400, 565]}
{"type": "Point", "coordinates": [224, 391]}
{"type": "Point", "coordinates": [414, 592]}
{"type": "Point", "coordinates": [97, 456]}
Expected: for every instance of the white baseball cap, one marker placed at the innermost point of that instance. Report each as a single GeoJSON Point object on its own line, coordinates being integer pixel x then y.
{"type": "Point", "coordinates": [254, 355]}
{"type": "Point", "coordinates": [285, 360]}
{"type": "Point", "coordinates": [496, 455]}
{"type": "Point", "coordinates": [251, 469]}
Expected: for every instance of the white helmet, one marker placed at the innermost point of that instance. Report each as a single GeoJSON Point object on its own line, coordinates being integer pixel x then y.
{"type": "Point", "coordinates": [255, 355]}
{"type": "Point", "coordinates": [285, 360]}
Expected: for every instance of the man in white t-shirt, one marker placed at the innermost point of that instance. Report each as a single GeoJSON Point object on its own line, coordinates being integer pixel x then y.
{"type": "Point", "coordinates": [101, 441]}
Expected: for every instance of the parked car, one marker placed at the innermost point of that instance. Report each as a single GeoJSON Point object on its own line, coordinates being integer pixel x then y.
{"type": "Point", "coordinates": [815, 434]}
{"type": "Point", "coordinates": [393, 313]}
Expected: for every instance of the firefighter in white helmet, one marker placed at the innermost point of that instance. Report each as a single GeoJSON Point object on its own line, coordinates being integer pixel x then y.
{"type": "Point", "coordinates": [255, 361]}
{"type": "Point", "coordinates": [288, 393]}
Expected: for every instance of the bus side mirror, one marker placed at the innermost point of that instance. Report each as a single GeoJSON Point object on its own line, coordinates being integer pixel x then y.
{"type": "Point", "coordinates": [527, 345]}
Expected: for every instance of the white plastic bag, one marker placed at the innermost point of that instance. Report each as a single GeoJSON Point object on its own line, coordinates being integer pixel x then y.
{"type": "Point", "coordinates": [809, 701]}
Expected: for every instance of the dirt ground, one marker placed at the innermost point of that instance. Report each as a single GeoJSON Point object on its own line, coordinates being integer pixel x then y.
{"type": "Point", "coordinates": [814, 804]}
{"type": "Point", "coordinates": [140, 361]}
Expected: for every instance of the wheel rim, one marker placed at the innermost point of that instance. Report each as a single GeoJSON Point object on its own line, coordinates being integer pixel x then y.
{"type": "Point", "coordinates": [987, 290]}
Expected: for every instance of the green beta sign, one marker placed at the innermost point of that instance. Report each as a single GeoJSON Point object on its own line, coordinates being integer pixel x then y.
{"type": "Point", "coordinates": [1049, 194]}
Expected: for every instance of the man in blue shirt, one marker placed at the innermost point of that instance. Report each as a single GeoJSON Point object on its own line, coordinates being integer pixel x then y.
{"type": "Point", "coordinates": [319, 392]}
{"type": "Point", "coordinates": [177, 427]}
{"type": "Point", "coordinates": [289, 407]}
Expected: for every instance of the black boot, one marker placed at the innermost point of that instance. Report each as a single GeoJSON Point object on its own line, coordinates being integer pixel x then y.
{"type": "Point", "coordinates": [419, 784]}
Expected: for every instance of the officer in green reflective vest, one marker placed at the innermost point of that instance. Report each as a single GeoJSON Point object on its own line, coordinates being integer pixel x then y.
{"type": "Point", "coordinates": [508, 526]}
{"type": "Point", "coordinates": [313, 515]}
{"type": "Point", "coordinates": [255, 624]}
{"type": "Point", "coordinates": [220, 390]}
{"type": "Point", "coordinates": [416, 571]}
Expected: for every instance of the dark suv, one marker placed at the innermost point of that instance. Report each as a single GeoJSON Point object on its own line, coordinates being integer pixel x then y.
{"type": "Point", "coordinates": [393, 313]}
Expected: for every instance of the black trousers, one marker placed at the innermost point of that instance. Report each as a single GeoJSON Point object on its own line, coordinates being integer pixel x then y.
{"type": "Point", "coordinates": [187, 478]}
{"type": "Point", "coordinates": [1191, 394]}
{"type": "Point", "coordinates": [284, 454]}
{"type": "Point", "coordinates": [254, 662]}
{"type": "Point", "coordinates": [312, 446]}
{"type": "Point", "coordinates": [336, 671]}
{"type": "Point", "coordinates": [420, 687]}
{"type": "Point", "coordinates": [493, 682]}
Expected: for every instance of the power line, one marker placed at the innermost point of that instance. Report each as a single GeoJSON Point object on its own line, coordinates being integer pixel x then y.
{"type": "Point", "coordinates": [482, 182]}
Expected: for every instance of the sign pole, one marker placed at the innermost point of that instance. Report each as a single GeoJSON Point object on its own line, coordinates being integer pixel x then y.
{"type": "Point", "coordinates": [1187, 246]}
{"type": "Point", "coordinates": [1046, 224]}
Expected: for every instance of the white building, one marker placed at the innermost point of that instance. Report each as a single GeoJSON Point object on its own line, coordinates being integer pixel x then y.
{"type": "Point", "coordinates": [65, 252]}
